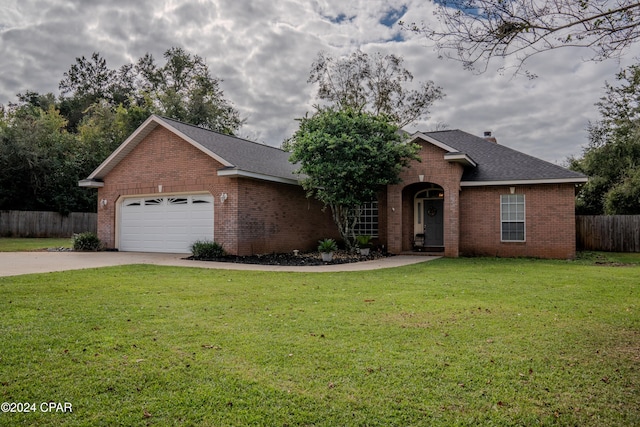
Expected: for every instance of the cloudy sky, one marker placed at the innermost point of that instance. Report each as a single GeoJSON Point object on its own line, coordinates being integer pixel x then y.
{"type": "Point", "coordinates": [263, 51]}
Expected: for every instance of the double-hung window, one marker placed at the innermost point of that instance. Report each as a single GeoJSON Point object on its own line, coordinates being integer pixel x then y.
{"type": "Point", "coordinates": [512, 223]}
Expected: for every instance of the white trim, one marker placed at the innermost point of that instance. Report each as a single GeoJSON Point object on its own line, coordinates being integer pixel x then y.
{"type": "Point", "coordinates": [113, 156]}
{"type": "Point", "coordinates": [524, 182]}
{"type": "Point", "coordinates": [451, 155]}
{"type": "Point", "coordinates": [246, 174]}
{"type": "Point", "coordinates": [433, 141]}
{"type": "Point", "coordinates": [461, 158]}
{"type": "Point", "coordinates": [90, 183]}
{"type": "Point", "coordinates": [194, 143]}
{"type": "Point", "coordinates": [136, 137]}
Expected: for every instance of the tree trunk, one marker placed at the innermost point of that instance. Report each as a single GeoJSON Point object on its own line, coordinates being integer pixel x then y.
{"type": "Point", "coordinates": [346, 218]}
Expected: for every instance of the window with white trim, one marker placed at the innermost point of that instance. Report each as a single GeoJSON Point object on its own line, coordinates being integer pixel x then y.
{"type": "Point", "coordinates": [512, 224]}
{"type": "Point", "coordinates": [368, 223]}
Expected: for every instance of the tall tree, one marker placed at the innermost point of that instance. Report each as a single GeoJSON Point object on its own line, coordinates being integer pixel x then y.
{"type": "Point", "coordinates": [89, 81]}
{"type": "Point", "coordinates": [184, 89]}
{"type": "Point", "coordinates": [474, 31]}
{"type": "Point", "coordinates": [47, 145]}
{"type": "Point", "coordinates": [612, 158]}
{"type": "Point", "coordinates": [39, 162]}
{"type": "Point", "coordinates": [348, 155]}
{"type": "Point", "coordinates": [377, 83]}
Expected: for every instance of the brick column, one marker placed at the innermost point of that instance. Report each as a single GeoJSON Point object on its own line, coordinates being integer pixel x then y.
{"type": "Point", "coordinates": [394, 219]}
{"type": "Point", "coordinates": [452, 221]}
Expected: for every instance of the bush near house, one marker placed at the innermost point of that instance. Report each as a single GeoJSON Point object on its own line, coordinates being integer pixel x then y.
{"type": "Point", "coordinates": [86, 241]}
{"type": "Point", "coordinates": [203, 250]}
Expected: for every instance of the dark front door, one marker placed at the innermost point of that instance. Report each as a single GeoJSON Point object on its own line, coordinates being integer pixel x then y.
{"type": "Point", "coordinates": [433, 223]}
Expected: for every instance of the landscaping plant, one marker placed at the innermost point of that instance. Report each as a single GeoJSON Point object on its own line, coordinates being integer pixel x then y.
{"type": "Point", "coordinates": [86, 241]}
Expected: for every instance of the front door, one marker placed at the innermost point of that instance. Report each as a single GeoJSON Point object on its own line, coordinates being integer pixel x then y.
{"type": "Point", "coordinates": [433, 223]}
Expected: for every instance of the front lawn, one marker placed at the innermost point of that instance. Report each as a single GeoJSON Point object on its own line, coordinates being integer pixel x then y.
{"type": "Point", "coordinates": [448, 342]}
{"type": "Point", "coordinates": [10, 244]}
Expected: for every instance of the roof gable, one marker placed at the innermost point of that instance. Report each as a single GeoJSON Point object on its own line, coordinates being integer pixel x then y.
{"type": "Point", "coordinates": [239, 157]}
{"type": "Point", "coordinates": [496, 164]}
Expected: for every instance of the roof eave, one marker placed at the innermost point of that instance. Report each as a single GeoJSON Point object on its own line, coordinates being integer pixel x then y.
{"type": "Point", "coordinates": [238, 173]}
{"type": "Point", "coordinates": [576, 180]}
{"type": "Point", "coordinates": [420, 135]}
{"type": "Point", "coordinates": [461, 158]}
{"type": "Point", "coordinates": [136, 137]}
{"type": "Point", "coordinates": [90, 183]}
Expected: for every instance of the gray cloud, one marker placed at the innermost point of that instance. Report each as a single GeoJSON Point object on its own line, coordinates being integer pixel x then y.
{"type": "Point", "coordinates": [263, 51]}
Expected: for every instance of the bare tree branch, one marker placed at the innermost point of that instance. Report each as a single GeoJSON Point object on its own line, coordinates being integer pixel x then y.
{"type": "Point", "coordinates": [475, 31]}
{"type": "Point", "coordinates": [377, 84]}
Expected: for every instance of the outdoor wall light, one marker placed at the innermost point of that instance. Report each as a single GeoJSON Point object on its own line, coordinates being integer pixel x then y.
{"type": "Point", "coordinates": [103, 203]}
{"type": "Point", "coordinates": [223, 197]}
{"type": "Point", "coordinates": [421, 178]}
{"type": "Point", "coordinates": [160, 188]}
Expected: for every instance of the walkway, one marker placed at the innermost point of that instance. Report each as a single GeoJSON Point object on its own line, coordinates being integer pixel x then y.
{"type": "Point", "coordinates": [16, 263]}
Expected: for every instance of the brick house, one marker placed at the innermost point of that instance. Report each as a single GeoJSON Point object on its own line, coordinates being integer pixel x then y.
{"type": "Point", "coordinates": [170, 184]}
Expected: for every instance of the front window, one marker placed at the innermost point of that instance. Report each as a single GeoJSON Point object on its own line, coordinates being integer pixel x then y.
{"type": "Point", "coordinates": [368, 223]}
{"type": "Point", "coordinates": [512, 224]}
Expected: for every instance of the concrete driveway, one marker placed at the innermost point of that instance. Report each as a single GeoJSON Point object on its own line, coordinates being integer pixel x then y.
{"type": "Point", "coordinates": [16, 263]}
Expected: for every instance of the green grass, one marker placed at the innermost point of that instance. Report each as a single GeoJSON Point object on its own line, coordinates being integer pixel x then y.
{"type": "Point", "coordinates": [450, 342]}
{"type": "Point", "coordinates": [10, 244]}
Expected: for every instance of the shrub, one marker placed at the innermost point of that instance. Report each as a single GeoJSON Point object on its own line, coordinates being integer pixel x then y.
{"type": "Point", "coordinates": [327, 245]}
{"type": "Point", "coordinates": [207, 250]}
{"type": "Point", "coordinates": [364, 241]}
{"type": "Point", "coordinates": [86, 241]}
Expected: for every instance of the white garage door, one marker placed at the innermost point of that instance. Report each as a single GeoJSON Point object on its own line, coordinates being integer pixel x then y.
{"type": "Point", "coordinates": [165, 224]}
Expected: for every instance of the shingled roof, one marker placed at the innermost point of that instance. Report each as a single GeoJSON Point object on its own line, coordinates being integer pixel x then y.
{"type": "Point", "coordinates": [486, 163]}
{"type": "Point", "coordinates": [241, 157]}
{"type": "Point", "coordinates": [238, 156]}
{"type": "Point", "coordinates": [495, 164]}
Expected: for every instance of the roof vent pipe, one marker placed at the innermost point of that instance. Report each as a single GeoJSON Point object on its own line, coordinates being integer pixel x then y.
{"type": "Point", "coordinates": [488, 137]}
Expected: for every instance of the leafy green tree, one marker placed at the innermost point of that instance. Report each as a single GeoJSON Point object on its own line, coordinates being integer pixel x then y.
{"type": "Point", "coordinates": [347, 156]}
{"type": "Point", "coordinates": [39, 163]}
{"type": "Point", "coordinates": [183, 89]}
{"type": "Point", "coordinates": [103, 129]}
{"type": "Point", "coordinates": [90, 81]}
{"type": "Point", "coordinates": [612, 158]}
{"type": "Point", "coordinates": [47, 145]}
{"type": "Point", "coordinates": [375, 83]}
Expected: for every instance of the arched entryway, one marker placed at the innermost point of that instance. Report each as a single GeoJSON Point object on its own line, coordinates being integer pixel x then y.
{"type": "Point", "coordinates": [428, 218]}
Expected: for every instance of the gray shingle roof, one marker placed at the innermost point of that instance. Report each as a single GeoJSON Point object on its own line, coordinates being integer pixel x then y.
{"type": "Point", "coordinates": [238, 156]}
{"type": "Point", "coordinates": [490, 162]}
{"type": "Point", "coordinates": [242, 154]}
{"type": "Point", "coordinates": [498, 163]}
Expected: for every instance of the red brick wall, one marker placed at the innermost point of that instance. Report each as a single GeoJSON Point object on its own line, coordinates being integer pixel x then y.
{"type": "Point", "coordinates": [276, 217]}
{"type": "Point", "coordinates": [399, 208]}
{"type": "Point", "coordinates": [549, 222]}
{"type": "Point", "coordinates": [472, 214]}
{"type": "Point", "coordinates": [257, 216]}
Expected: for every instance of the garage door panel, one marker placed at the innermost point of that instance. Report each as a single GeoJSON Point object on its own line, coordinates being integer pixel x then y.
{"type": "Point", "coordinates": [165, 224]}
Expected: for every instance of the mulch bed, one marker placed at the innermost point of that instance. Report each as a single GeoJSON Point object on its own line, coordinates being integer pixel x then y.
{"type": "Point", "coordinates": [302, 259]}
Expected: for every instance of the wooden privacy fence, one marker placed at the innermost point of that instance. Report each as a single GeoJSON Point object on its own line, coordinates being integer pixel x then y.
{"type": "Point", "coordinates": [612, 233]}
{"type": "Point", "coordinates": [46, 224]}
